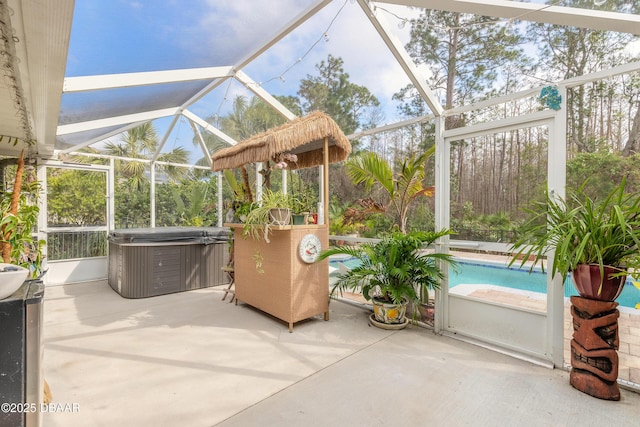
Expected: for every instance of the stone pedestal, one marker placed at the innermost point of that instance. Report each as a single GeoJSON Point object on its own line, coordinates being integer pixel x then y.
{"type": "Point", "coordinates": [594, 359]}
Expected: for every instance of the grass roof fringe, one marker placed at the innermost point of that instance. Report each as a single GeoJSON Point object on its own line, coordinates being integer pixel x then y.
{"type": "Point", "coordinates": [303, 136]}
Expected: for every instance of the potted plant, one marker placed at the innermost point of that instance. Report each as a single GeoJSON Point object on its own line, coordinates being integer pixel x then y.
{"type": "Point", "coordinates": [21, 252]}
{"type": "Point", "coordinates": [597, 241]}
{"type": "Point", "coordinates": [241, 209]}
{"type": "Point", "coordinates": [392, 272]}
{"type": "Point", "coordinates": [304, 206]}
{"type": "Point", "coordinates": [274, 209]}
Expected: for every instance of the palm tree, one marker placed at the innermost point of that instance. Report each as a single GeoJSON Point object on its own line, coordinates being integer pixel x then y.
{"type": "Point", "coordinates": [142, 143]}
{"type": "Point", "coordinates": [402, 187]}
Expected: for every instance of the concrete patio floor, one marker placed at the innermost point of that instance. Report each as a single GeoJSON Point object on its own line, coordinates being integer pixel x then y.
{"type": "Point", "coordinates": [190, 359]}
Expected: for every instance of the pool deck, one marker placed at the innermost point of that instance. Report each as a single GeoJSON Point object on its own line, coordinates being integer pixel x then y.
{"type": "Point", "coordinates": [628, 323]}
{"type": "Point", "coordinates": [190, 359]}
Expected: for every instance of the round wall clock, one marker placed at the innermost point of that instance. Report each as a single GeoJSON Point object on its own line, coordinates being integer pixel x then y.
{"type": "Point", "coordinates": [309, 248]}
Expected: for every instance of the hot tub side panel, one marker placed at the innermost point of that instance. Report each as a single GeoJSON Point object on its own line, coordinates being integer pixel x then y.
{"type": "Point", "coordinates": [139, 271]}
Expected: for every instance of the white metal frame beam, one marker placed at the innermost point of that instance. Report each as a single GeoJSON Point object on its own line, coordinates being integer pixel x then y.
{"type": "Point", "coordinates": [264, 95]}
{"type": "Point", "coordinates": [99, 138]}
{"type": "Point", "coordinates": [295, 23]}
{"type": "Point", "coordinates": [209, 127]}
{"type": "Point", "coordinates": [292, 25]}
{"type": "Point", "coordinates": [118, 120]}
{"type": "Point", "coordinates": [164, 139]}
{"type": "Point", "coordinates": [111, 81]}
{"type": "Point", "coordinates": [402, 56]}
{"type": "Point", "coordinates": [512, 10]}
{"type": "Point", "coordinates": [203, 146]}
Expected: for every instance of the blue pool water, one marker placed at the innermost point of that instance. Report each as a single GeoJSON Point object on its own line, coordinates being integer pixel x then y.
{"type": "Point", "coordinates": [514, 278]}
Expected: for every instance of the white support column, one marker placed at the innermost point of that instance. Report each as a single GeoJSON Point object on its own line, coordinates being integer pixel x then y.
{"type": "Point", "coordinates": [321, 219]}
{"type": "Point", "coordinates": [111, 194]}
{"type": "Point", "coordinates": [325, 181]}
{"type": "Point", "coordinates": [285, 188]}
{"type": "Point", "coordinates": [220, 207]}
{"type": "Point", "coordinates": [556, 179]}
{"type": "Point", "coordinates": [41, 172]}
{"type": "Point", "coordinates": [442, 213]}
{"type": "Point", "coordinates": [258, 182]}
{"type": "Point", "coordinates": [152, 198]}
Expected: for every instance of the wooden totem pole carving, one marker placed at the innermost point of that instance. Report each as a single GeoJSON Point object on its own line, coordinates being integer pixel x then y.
{"type": "Point", "coordinates": [594, 359]}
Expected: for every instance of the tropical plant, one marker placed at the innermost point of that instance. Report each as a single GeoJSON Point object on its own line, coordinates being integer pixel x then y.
{"type": "Point", "coordinates": [18, 219]}
{"type": "Point", "coordinates": [259, 219]}
{"type": "Point", "coordinates": [583, 230]}
{"type": "Point", "coordinates": [403, 187]}
{"type": "Point", "coordinates": [395, 269]}
{"type": "Point", "coordinates": [142, 143]}
{"type": "Point", "coordinates": [191, 212]}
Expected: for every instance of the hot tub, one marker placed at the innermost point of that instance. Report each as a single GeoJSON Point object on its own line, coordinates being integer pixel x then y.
{"type": "Point", "coordinates": [146, 262]}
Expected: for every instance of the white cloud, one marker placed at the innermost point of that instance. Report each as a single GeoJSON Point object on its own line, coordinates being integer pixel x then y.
{"type": "Point", "coordinates": [353, 38]}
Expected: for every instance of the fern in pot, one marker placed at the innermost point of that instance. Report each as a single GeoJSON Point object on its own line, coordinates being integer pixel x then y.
{"type": "Point", "coordinates": [596, 240]}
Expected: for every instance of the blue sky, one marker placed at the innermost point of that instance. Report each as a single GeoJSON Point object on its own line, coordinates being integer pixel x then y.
{"type": "Point", "coordinates": [120, 36]}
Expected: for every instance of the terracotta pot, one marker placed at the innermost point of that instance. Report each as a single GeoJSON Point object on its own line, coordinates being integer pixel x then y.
{"type": "Point", "coordinates": [423, 311]}
{"type": "Point", "coordinates": [587, 280]}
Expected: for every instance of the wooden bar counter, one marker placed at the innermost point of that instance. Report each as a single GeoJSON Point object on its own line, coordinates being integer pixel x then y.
{"type": "Point", "coordinates": [280, 277]}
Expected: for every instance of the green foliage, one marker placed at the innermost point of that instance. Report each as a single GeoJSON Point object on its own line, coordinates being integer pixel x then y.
{"type": "Point", "coordinates": [402, 187]}
{"type": "Point", "coordinates": [604, 170]}
{"type": "Point", "coordinates": [132, 208]}
{"type": "Point", "coordinates": [304, 199]}
{"type": "Point", "coordinates": [190, 210]}
{"type": "Point", "coordinates": [395, 269]}
{"type": "Point", "coordinates": [238, 190]}
{"type": "Point", "coordinates": [187, 203]}
{"type": "Point", "coordinates": [332, 92]}
{"type": "Point", "coordinates": [76, 197]}
{"type": "Point", "coordinates": [583, 230]}
{"type": "Point", "coordinates": [142, 143]}
{"type": "Point", "coordinates": [258, 222]}
{"type": "Point", "coordinates": [25, 250]}
{"type": "Point", "coordinates": [464, 54]}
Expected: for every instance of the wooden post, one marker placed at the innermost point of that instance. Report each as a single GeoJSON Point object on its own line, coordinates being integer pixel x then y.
{"type": "Point", "coordinates": [325, 202]}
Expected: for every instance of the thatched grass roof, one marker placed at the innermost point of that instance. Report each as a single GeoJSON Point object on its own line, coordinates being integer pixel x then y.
{"type": "Point", "coordinates": [303, 137]}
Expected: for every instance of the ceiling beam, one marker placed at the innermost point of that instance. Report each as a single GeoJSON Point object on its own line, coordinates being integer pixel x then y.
{"type": "Point", "coordinates": [102, 137]}
{"type": "Point", "coordinates": [512, 10]}
{"type": "Point", "coordinates": [209, 127]}
{"type": "Point", "coordinates": [403, 58]}
{"type": "Point", "coordinates": [295, 23]}
{"type": "Point", "coordinates": [110, 81]}
{"type": "Point", "coordinates": [288, 28]}
{"type": "Point", "coordinates": [203, 146]}
{"type": "Point", "coordinates": [115, 121]}
{"type": "Point", "coordinates": [264, 95]}
{"type": "Point", "coordinates": [164, 139]}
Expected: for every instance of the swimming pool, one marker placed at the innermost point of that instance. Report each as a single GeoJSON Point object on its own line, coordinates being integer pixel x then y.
{"type": "Point", "coordinates": [469, 272]}
{"type": "Point", "coordinates": [515, 278]}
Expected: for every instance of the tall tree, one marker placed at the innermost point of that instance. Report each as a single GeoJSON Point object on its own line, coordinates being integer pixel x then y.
{"type": "Point", "coordinates": [349, 104]}
{"type": "Point", "coordinates": [567, 52]}
{"type": "Point", "coordinates": [465, 54]}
